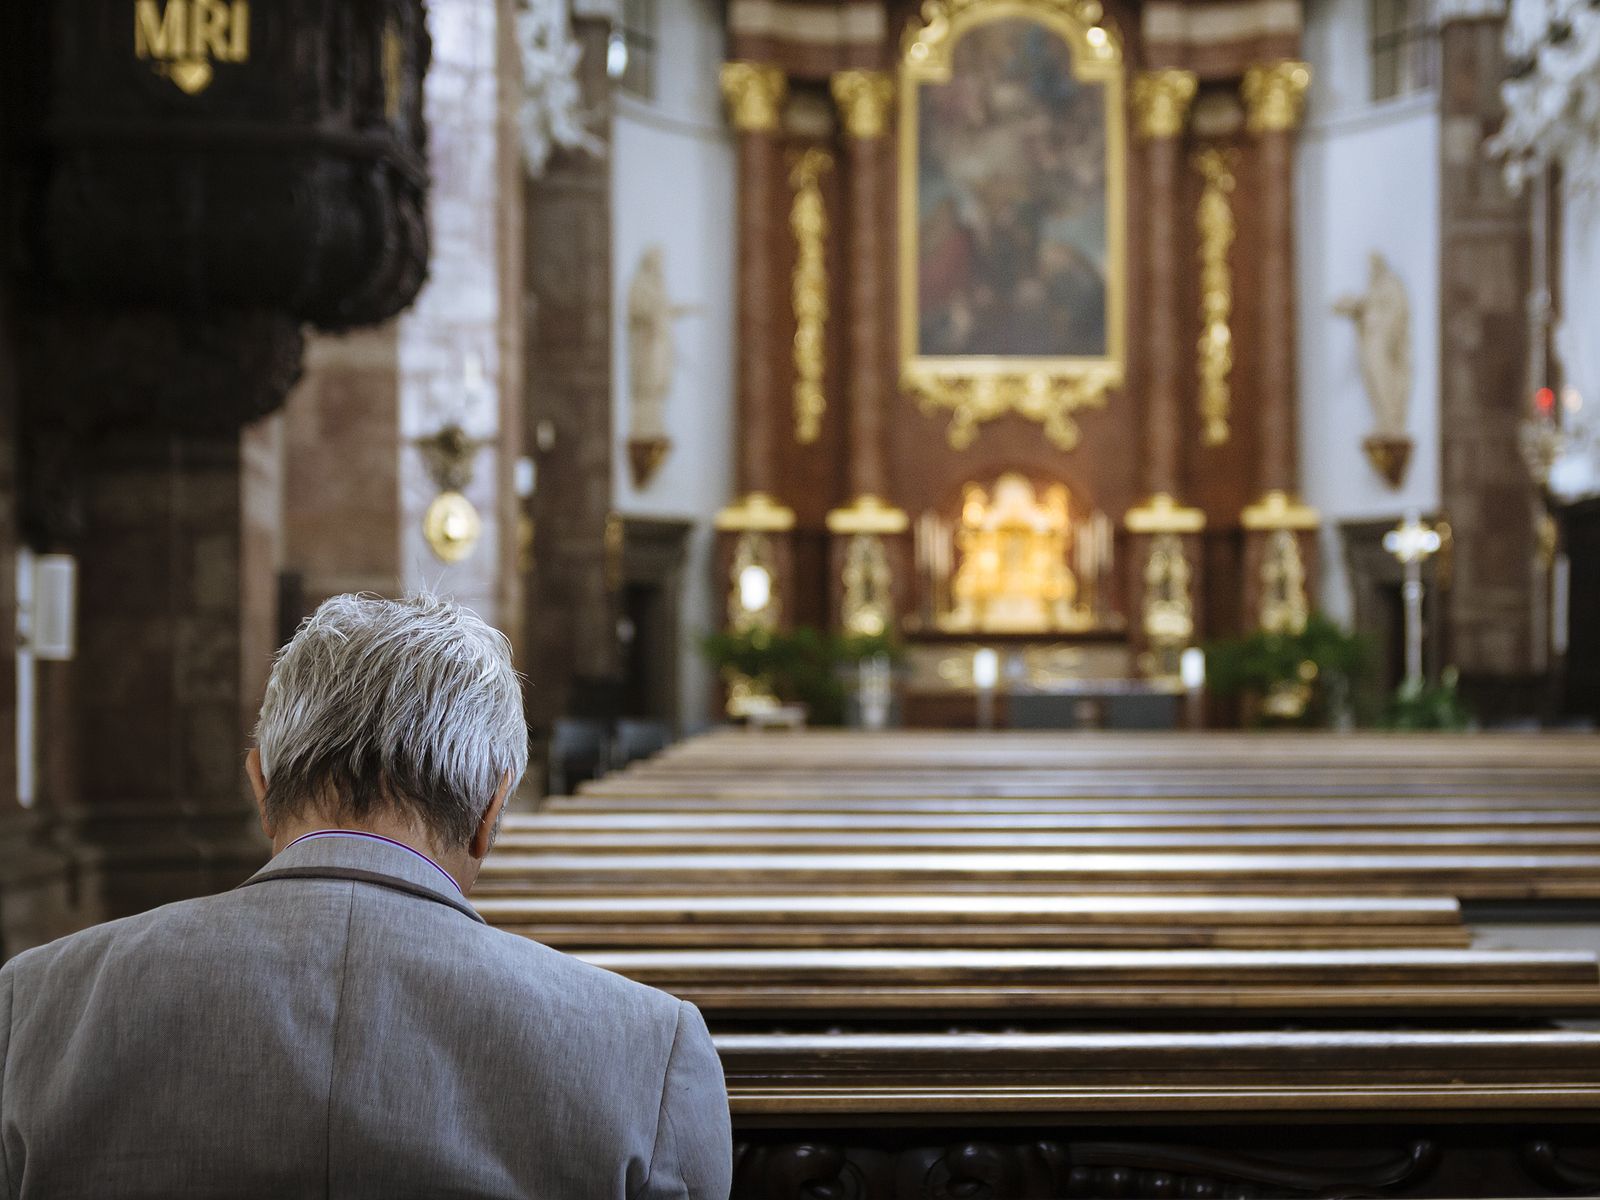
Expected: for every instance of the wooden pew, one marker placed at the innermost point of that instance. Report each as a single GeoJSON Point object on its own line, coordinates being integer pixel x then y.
{"type": "Point", "coordinates": [1012, 922]}
{"type": "Point", "coordinates": [1475, 876]}
{"type": "Point", "coordinates": [884, 818]}
{"type": "Point", "coordinates": [878, 890]}
{"type": "Point", "coordinates": [1126, 985]}
{"type": "Point", "coordinates": [1042, 1115]}
{"type": "Point", "coordinates": [1454, 842]}
{"type": "Point", "coordinates": [1006, 751]}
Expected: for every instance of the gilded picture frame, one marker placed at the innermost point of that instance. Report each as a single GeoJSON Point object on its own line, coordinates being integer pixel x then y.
{"type": "Point", "coordinates": [1062, 362]}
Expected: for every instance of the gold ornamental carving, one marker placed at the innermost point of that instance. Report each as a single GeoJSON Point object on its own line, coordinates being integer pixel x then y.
{"type": "Point", "coordinates": [864, 98]}
{"type": "Point", "coordinates": [755, 93]}
{"type": "Point", "coordinates": [1052, 400]}
{"type": "Point", "coordinates": [752, 584]}
{"type": "Point", "coordinates": [1215, 348]}
{"type": "Point", "coordinates": [868, 607]}
{"type": "Point", "coordinates": [1168, 606]}
{"type": "Point", "coordinates": [1013, 575]}
{"type": "Point", "coordinates": [756, 513]}
{"type": "Point", "coordinates": [808, 219]}
{"type": "Point", "coordinates": [868, 514]}
{"type": "Point", "coordinates": [978, 381]}
{"type": "Point", "coordinates": [1279, 510]}
{"type": "Point", "coordinates": [1161, 102]}
{"type": "Point", "coordinates": [944, 21]}
{"type": "Point", "coordinates": [1161, 514]}
{"type": "Point", "coordinates": [1274, 95]}
{"type": "Point", "coordinates": [452, 527]}
{"type": "Point", "coordinates": [1285, 607]}
{"type": "Point", "coordinates": [183, 38]}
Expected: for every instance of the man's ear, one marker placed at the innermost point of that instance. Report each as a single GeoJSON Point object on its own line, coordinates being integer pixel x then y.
{"type": "Point", "coordinates": [483, 836]}
{"type": "Point", "coordinates": [258, 785]}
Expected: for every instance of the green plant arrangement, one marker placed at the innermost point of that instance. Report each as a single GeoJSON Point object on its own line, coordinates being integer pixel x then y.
{"type": "Point", "coordinates": [1417, 706]}
{"type": "Point", "coordinates": [1294, 679]}
{"type": "Point", "coordinates": [798, 666]}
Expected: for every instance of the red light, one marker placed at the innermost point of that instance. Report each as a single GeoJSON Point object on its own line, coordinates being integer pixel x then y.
{"type": "Point", "coordinates": [1545, 400]}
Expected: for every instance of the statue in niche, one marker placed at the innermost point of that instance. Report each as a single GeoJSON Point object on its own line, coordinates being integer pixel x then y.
{"type": "Point", "coordinates": [652, 359]}
{"type": "Point", "coordinates": [1382, 317]}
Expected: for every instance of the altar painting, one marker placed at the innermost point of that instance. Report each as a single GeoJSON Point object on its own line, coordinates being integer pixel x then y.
{"type": "Point", "coordinates": [1013, 248]}
{"type": "Point", "coordinates": [1011, 213]}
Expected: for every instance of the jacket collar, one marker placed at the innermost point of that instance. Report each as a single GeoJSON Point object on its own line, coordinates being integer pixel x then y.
{"type": "Point", "coordinates": [368, 860]}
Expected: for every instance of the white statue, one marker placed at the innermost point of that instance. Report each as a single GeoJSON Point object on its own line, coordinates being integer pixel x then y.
{"type": "Point", "coordinates": [652, 357]}
{"type": "Point", "coordinates": [1382, 316]}
{"type": "Point", "coordinates": [551, 113]}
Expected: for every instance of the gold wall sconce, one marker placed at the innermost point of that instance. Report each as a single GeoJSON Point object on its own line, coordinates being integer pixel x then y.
{"type": "Point", "coordinates": [451, 524]}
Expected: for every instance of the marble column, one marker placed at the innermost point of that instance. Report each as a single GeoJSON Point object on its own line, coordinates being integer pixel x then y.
{"type": "Point", "coordinates": [1280, 531]}
{"type": "Point", "coordinates": [754, 556]}
{"type": "Point", "coordinates": [755, 93]}
{"type": "Point", "coordinates": [1494, 625]}
{"type": "Point", "coordinates": [1165, 554]}
{"type": "Point", "coordinates": [1273, 97]}
{"type": "Point", "coordinates": [868, 549]}
{"type": "Point", "coordinates": [572, 548]}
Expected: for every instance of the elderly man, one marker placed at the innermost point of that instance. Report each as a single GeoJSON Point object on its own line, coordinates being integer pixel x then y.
{"type": "Point", "coordinates": [344, 1024]}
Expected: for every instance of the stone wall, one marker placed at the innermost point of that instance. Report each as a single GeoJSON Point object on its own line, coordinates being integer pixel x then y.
{"type": "Point", "coordinates": [356, 485]}
{"type": "Point", "coordinates": [571, 612]}
{"type": "Point", "coordinates": [1497, 599]}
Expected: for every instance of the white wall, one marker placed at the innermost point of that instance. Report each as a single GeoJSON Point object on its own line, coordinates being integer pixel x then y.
{"type": "Point", "coordinates": [1578, 338]}
{"type": "Point", "coordinates": [673, 186]}
{"type": "Point", "coordinates": [1367, 179]}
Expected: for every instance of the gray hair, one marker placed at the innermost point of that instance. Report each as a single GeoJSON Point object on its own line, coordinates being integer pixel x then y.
{"type": "Point", "coordinates": [408, 702]}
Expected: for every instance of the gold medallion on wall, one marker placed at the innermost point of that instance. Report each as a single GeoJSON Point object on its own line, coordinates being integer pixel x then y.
{"type": "Point", "coordinates": [1012, 228]}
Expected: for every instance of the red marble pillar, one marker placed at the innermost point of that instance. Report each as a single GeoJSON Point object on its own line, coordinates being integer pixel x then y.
{"type": "Point", "coordinates": [753, 533]}
{"type": "Point", "coordinates": [755, 94]}
{"type": "Point", "coordinates": [1281, 532]}
{"type": "Point", "coordinates": [864, 98]}
{"type": "Point", "coordinates": [1161, 103]}
{"type": "Point", "coordinates": [1165, 558]}
{"type": "Point", "coordinates": [1273, 95]}
{"type": "Point", "coordinates": [869, 554]}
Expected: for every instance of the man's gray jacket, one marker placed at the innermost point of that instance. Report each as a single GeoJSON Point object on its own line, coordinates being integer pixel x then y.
{"type": "Point", "coordinates": [345, 1025]}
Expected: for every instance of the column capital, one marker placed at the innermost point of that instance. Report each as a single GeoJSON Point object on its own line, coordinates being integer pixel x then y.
{"type": "Point", "coordinates": [1279, 510]}
{"type": "Point", "coordinates": [1161, 101]}
{"type": "Point", "coordinates": [756, 512]}
{"type": "Point", "coordinates": [1163, 514]}
{"type": "Point", "coordinates": [1274, 95]}
{"type": "Point", "coordinates": [868, 514]}
{"type": "Point", "coordinates": [864, 99]}
{"type": "Point", "coordinates": [755, 93]}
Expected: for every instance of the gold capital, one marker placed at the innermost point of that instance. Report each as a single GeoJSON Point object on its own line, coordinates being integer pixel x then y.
{"type": "Point", "coordinates": [1161, 101]}
{"type": "Point", "coordinates": [863, 98]}
{"type": "Point", "coordinates": [1274, 95]}
{"type": "Point", "coordinates": [1278, 510]}
{"type": "Point", "coordinates": [756, 512]}
{"type": "Point", "coordinates": [1163, 514]}
{"type": "Point", "coordinates": [755, 93]}
{"type": "Point", "coordinates": [868, 514]}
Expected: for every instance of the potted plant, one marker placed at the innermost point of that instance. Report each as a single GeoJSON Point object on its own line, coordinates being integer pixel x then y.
{"type": "Point", "coordinates": [1290, 679]}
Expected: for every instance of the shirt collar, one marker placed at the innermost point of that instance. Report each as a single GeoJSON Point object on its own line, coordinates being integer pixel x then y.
{"type": "Point", "coordinates": [378, 837]}
{"type": "Point", "coordinates": [370, 859]}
